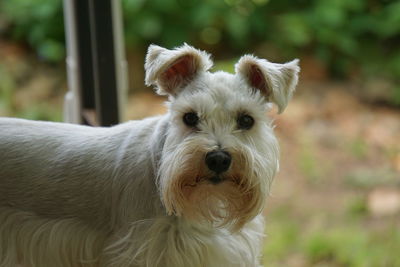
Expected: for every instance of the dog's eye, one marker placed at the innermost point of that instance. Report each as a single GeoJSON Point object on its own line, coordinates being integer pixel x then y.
{"type": "Point", "coordinates": [245, 122]}
{"type": "Point", "coordinates": [190, 119]}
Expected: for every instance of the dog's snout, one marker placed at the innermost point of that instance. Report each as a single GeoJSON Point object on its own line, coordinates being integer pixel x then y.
{"type": "Point", "coordinates": [218, 161]}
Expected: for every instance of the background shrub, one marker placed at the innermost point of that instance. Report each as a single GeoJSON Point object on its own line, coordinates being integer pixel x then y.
{"type": "Point", "coordinates": [350, 37]}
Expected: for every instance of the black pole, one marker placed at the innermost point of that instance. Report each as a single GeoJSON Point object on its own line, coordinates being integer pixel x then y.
{"type": "Point", "coordinates": [104, 67]}
{"type": "Point", "coordinates": [85, 59]}
{"type": "Point", "coordinates": [92, 63]}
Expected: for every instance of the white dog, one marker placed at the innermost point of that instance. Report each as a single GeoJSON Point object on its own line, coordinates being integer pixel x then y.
{"type": "Point", "coordinates": [180, 190]}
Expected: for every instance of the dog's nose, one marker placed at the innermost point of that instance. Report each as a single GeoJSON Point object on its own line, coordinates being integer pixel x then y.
{"type": "Point", "coordinates": [218, 161]}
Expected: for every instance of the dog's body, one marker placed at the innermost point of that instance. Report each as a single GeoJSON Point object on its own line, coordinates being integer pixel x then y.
{"type": "Point", "coordinates": [50, 194]}
{"type": "Point", "coordinates": [164, 191]}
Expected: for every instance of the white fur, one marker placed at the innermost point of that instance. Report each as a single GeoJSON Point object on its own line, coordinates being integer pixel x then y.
{"type": "Point", "coordinates": [137, 194]}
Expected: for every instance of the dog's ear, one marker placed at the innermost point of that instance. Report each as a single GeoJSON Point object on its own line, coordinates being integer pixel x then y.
{"type": "Point", "coordinates": [276, 82]}
{"type": "Point", "coordinates": [171, 70]}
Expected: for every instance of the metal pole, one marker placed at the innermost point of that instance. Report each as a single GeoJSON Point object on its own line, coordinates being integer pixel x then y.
{"type": "Point", "coordinates": [96, 62]}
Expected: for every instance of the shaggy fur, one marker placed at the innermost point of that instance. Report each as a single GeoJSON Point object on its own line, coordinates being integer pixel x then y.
{"type": "Point", "coordinates": [139, 193]}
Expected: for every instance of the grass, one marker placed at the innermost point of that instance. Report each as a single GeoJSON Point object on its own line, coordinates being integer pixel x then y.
{"type": "Point", "coordinates": [364, 177]}
{"type": "Point", "coordinates": [309, 165]}
{"type": "Point", "coordinates": [40, 112]}
{"type": "Point", "coordinates": [353, 246]}
{"type": "Point", "coordinates": [347, 243]}
{"type": "Point", "coordinates": [358, 148]}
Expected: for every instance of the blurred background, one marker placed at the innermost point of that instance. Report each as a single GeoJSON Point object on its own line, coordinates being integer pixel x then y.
{"type": "Point", "coordinates": [336, 201]}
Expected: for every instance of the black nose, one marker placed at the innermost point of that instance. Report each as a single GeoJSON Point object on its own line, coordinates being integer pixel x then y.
{"type": "Point", "coordinates": [218, 161]}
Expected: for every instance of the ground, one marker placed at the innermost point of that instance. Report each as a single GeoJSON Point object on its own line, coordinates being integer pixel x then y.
{"type": "Point", "coordinates": [336, 199]}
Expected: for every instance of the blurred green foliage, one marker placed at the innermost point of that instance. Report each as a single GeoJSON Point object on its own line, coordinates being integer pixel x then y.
{"type": "Point", "coordinates": [357, 36]}
{"type": "Point", "coordinates": [38, 23]}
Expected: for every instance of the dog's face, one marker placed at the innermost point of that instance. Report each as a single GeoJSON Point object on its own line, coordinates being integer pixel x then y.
{"type": "Point", "coordinates": [220, 154]}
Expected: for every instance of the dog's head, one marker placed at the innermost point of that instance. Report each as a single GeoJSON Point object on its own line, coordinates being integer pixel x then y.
{"type": "Point", "coordinates": [220, 153]}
